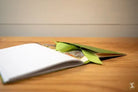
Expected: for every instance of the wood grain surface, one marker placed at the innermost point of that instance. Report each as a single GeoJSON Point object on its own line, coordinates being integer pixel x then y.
{"type": "Point", "coordinates": [115, 75]}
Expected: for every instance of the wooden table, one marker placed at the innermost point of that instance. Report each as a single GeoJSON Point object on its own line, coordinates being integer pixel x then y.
{"type": "Point", "coordinates": [115, 75]}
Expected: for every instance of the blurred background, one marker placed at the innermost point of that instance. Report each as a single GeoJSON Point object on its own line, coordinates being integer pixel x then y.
{"type": "Point", "coordinates": [69, 18]}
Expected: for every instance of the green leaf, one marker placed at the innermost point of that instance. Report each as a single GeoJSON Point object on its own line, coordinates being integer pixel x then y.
{"type": "Point", "coordinates": [64, 47]}
{"type": "Point", "coordinates": [88, 51]}
{"type": "Point", "coordinates": [94, 49]}
{"type": "Point", "coordinates": [92, 57]}
{"type": "Point", "coordinates": [86, 62]}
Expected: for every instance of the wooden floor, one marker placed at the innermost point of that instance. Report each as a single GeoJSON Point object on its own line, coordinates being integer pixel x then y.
{"type": "Point", "coordinates": [115, 75]}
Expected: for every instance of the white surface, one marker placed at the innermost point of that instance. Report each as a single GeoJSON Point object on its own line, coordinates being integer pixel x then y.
{"type": "Point", "coordinates": [84, 18]}
{"type": "Point", "coordinates": [70, 30]}
{"type": "Point", "coordinates": [69, 11]}
{"type": "Point", "coordinates": [23, 59]}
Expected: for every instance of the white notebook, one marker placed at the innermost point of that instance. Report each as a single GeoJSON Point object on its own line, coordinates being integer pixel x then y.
{"type": "Point", "coordinates": [32, 59]}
